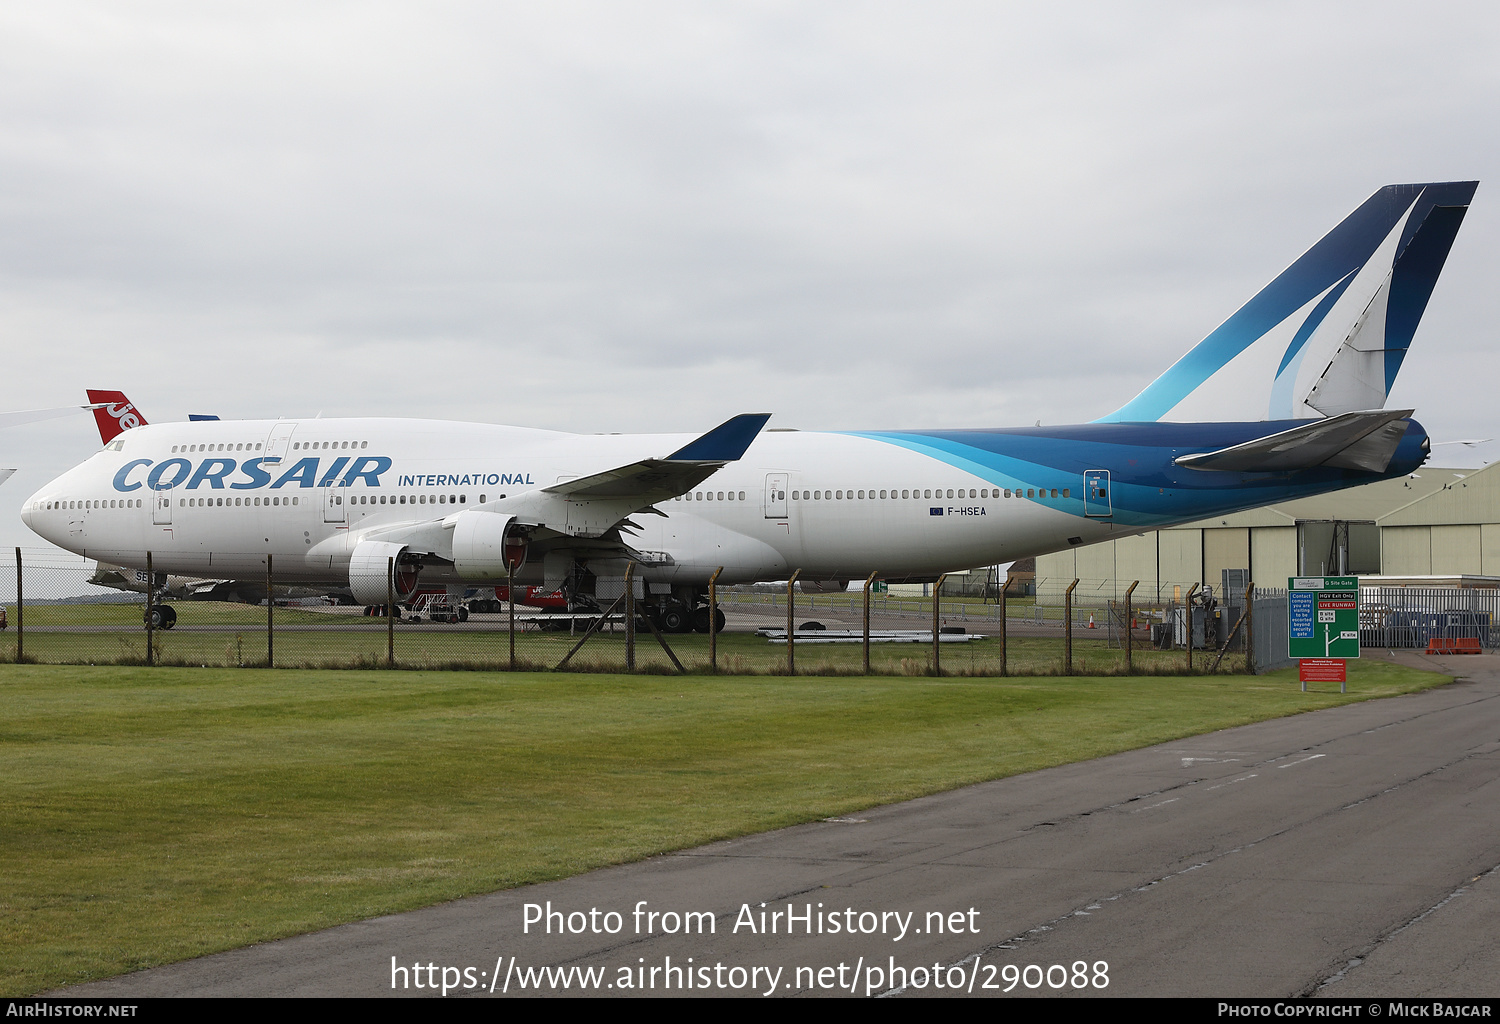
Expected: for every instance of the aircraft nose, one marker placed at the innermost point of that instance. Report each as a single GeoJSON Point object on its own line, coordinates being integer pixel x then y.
{"type": "Point", "coordinates": [29, 514]}
{"type": "Point", "coordinates": [33, 514]}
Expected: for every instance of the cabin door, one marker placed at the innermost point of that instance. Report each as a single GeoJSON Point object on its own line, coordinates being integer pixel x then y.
{"type": "Point", "coordinates": [776, 495]}
{"type": "Point", "coordinates": [1096, 499]}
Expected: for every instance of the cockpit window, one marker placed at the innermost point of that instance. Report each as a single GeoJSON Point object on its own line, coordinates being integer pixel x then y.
{"type": "Point", "coordinates": [117, 445]}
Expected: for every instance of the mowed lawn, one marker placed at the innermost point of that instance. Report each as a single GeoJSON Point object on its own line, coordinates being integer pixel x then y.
{"type": "Point", "coordinates": [154, 815]}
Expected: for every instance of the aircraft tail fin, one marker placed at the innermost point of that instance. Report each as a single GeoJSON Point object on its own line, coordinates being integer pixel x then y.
{"type": "Point", "coordinates": [114, 413]}
{"type": "Point", "coordinates": [1329, 334]}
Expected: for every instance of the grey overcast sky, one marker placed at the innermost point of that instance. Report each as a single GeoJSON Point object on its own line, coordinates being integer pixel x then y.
{"type": "Point", "coordinates": [648, 216]}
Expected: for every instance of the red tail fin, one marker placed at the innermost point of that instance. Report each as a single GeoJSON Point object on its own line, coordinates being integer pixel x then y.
{"type": "Point", "coordinates": [117, 415]}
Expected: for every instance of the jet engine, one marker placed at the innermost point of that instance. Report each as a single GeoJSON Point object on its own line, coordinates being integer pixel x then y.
{"type": "Point", "coordinates": [483, 542]}
{"type": "Point", "coordinates": [368, 568]}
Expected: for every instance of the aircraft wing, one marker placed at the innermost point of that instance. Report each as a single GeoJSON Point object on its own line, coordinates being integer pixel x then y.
{"type": "Point", "coordinates": [5, 475]}
{"type": "Point", "coordinates": [591, 506]}
{"type": "Point", "coordinates": [1353, 440]}
{"type": "Point", "coordinates": [587, 507]}
{"type": "Point", "coordinates": [16, 419]}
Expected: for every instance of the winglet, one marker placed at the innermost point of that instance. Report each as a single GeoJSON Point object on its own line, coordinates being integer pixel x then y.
{"type": "Point", "coordinates": [724, 443]}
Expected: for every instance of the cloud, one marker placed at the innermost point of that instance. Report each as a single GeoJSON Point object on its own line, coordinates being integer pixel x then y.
{"type": "Point", "coordinates": [599, 216]}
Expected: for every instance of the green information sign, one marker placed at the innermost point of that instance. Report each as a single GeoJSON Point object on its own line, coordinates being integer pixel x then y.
{"type": "Point", "coordinates": [1322, 617]}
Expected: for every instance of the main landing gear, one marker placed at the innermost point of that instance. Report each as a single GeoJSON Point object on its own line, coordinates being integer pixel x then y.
{"type": "Point", "coordinates": [161, 616]}
{"type": "Point", "coordinates": [675, 615]}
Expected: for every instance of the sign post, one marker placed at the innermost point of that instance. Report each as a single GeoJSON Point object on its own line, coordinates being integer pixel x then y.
{"type": "Point", "coordinates": [1323, 626]}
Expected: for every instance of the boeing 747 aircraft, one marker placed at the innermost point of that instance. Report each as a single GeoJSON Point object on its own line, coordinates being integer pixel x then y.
{"type": "Point", "coordinates": [1289, 392]}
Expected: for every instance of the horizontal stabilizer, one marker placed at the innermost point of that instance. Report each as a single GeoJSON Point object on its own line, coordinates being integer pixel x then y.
{"type": "Point", "coordinates": [5, 475]}
{"type": "Point", "coordinates": [1354, 440]}
{"type": "Point", "coordinates": [16, 419]}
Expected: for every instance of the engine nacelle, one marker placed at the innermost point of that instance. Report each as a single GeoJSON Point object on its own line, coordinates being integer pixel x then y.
{"type": "Point", "coordinates": [368, 568]}
{"type": "Point", "coordinates": [483, 542]}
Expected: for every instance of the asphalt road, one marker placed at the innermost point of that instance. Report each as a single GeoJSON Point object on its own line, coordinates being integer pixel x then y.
{"type": "Point", "coordinates": [1348, 852]}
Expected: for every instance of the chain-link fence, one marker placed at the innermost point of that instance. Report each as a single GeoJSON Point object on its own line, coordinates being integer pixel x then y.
{"type": "Point", "coordinates": [74, 611]}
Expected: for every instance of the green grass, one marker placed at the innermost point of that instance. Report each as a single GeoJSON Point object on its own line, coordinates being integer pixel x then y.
{"type": "Point", "coordinates": [154, 815]}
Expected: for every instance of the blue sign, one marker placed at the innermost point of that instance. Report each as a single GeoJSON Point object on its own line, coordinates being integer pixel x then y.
{"type": "Point", "coordinates": [1301, 615]}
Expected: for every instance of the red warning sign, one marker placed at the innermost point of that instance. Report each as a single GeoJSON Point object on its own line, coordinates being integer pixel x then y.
{"type": "Point", "coordinates": [1322, 670]}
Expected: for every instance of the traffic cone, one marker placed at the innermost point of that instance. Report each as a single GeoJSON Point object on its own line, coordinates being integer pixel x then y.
{"type": "Point", "coordinates": [1091, 623]}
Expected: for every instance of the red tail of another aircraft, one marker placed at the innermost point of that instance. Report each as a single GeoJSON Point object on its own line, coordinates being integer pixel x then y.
{"type": "Point", "coordinates": [115, 414]}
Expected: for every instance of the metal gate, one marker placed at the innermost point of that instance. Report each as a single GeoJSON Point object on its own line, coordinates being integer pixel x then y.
{"type": "Point", "coordinates": [1414, 616]}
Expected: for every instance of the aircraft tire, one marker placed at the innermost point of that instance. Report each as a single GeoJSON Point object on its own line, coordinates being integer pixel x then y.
{"type": "Point", "coordinates": [700, 620]}
{"type": "Point", "coordinates": [169, 616]}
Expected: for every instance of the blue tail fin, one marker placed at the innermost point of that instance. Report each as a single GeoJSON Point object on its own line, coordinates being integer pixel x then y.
{"type": "Point", "coordinates": [1328, 335]}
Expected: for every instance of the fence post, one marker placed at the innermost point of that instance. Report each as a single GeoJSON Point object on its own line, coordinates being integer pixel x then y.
{"type": "Point", "coordinates": [150, 586]}
{"type": "Point", "coordinates": [868, 583]}
{"type": "Point", "coordinates": [1129, 640]}
{"type": "Point", "coordinates": [937, 659]}
{"type": "Point", "coordinates": [1250, 629]}
{"type": "Point", "coordinates": [390, 612]}
{"type": "Point", "coordinates": [1068, 629]}
{"type": "Point", "coordinates": [1004, 608]}
{"type": "Point", "coordinates": [510, 605]}
{"type": "Point", "coordinates": [791, 626]}
{"type": "Point", "coordinates": [713, 620]}
{"type": "Point", "coordinates": [1187, 614]}
{"type": "Point", "coordinates": [629, 616]}
{"type": "Point", "coordinates": [20, 614]}
{"type": "Point", "coordinates": [270, 629]}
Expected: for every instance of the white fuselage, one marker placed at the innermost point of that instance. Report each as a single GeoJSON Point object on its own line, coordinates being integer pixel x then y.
{"type": "Point", "coordinates": [215, 498]}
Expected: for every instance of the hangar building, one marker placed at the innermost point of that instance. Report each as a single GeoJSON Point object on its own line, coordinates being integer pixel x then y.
{"type": "Point", "coordinates": [1442, 523]}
